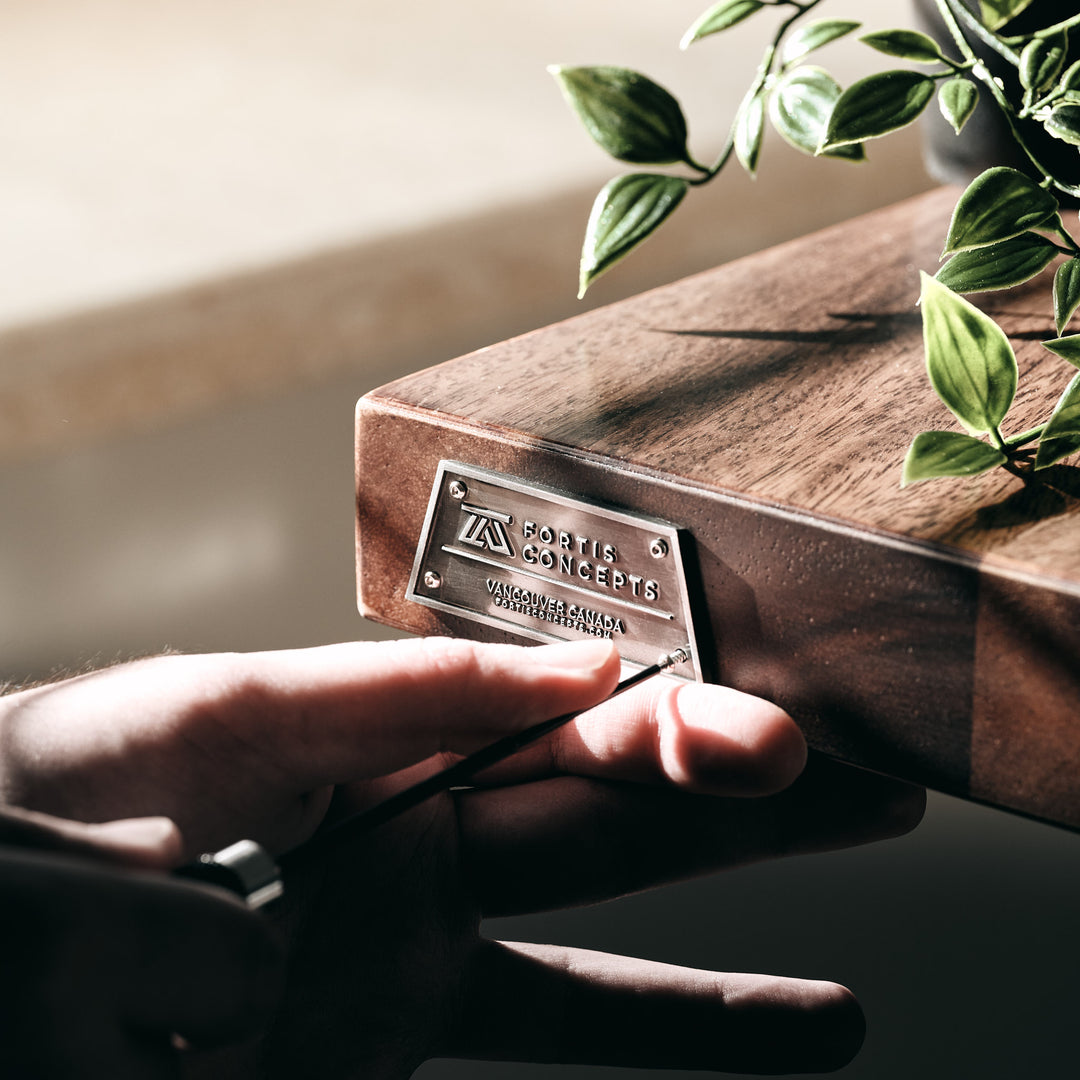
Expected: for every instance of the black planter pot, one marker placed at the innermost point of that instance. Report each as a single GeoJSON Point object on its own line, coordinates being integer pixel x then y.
{"type": "Point", "coordinates": [985, 139]}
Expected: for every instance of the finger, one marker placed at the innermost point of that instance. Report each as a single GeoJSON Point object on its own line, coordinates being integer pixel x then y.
{"type": "Point", "coordinates": [406, 700]}
{"type": "Point", "coordinates": [150, 842]}
{"type": "Point", "coordinates": [547, 1004]}
{"type": "Point", "coordinates": [696, 736]}
{"type": "Point", "coordinates": [341, 712]}
{"type": "Point", "coordinates": [569, 840]}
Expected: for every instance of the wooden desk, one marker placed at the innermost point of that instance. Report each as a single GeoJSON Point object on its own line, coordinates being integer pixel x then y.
{"type": "Point", "coordinates": [765, 407]}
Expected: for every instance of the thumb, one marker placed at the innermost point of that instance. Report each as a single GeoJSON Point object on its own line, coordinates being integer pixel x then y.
{"type": "Point", "coordinates": [149, 842]}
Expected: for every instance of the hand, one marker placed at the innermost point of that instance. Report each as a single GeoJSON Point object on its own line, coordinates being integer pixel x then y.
{"type": "Point", "coordinates": [387, 965]}
{"type": "Point", "coordinates": [230, 746]}
{"type": "Point", "coordinates": [105, 965]}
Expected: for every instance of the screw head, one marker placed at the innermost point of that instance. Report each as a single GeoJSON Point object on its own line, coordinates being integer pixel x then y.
{"type": "Point", "coordinates": [457, 489]}
{"type": "Point", "coordinates": [431, 579]}
{"type": "Point", "coordinates": [658, 548]}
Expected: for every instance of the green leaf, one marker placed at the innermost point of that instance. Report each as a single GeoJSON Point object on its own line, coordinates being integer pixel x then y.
{"type": "Point", "coordinates": [957, 99]}
{"type": "Point", "coordinates": [996, 13]}
{"type": "Point", "coordinates": [1064, 122]}
{"type": "Point", "coordinates": [1068, 348]}
{"type": "Point", "coordinates": [998, 266]}
{"type": "Point", "coordinates": [1066, 293]}
{"type": "Point", "coordinates": [624, 214]}
{"type": "Point", "coordinates": [998, 204]}
{"type": "Point", "coordinates": [720, 17]}
{"type": "Point", "coordinates": [1052, 451]}
{"type": "Point", "coordinates": [1070, 81]}
{"type": "Point", "coordinates": [800, 106]}
{"type": "Point", "coordinates": [1061, 437]}
{"type": "Point", "coordinates": [1042, 60]}
{"type": "Point", "coordinates": [971, 364]}
{"type": "Point", "coordinates": [877, 105]}
{"type": "Point", "coordinates": [626, 113]}
{"type": "Point", "coordinates": [813, 36]}
{"type": "Point", "coordinates": [906, 44]}
{"type": "Point", "coordinates": [948, 453]}
{"type": "Point", "coordinates": [749, 130]}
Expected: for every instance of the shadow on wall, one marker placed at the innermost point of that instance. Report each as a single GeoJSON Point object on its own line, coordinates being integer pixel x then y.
{"type": "Point", "coordinates": [960, 941]}
{"type": "Point", "coordinates": [179, 470]}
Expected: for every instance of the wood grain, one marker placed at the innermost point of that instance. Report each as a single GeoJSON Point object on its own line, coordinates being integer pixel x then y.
{"type": "Point", "coordinates": [766, 406]}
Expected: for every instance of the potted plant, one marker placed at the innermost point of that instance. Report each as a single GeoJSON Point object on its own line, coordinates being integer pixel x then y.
{"type": "Point", "coordinates": [1007, 68]}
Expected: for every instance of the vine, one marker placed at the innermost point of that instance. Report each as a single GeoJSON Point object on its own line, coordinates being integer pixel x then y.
{"type": "Point", "coordinates": [1006, 228]}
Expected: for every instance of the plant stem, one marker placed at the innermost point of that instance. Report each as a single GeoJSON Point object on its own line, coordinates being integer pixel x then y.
{"type": "Point", "coordinates": [1015, 441]}
{"type": "Point", "coordinates": [763, 72]}
{"type": "Point", "coordinates": [1060, 230]}
{"type": "Point", "coordinates": [1065, 24]}
{"type": "Point", "coordinates": [996, 439]}
{"type": "Point", "coordinates": [689, 160]}
{"type": "Point", "coordinates": [951, 10]}
{"type": "Point", "coordinates": [1019, 473]}
{"type": "Point", "coordinates": [983, 75]}
{"type": "Point", "coordinates": [949, 19]}
{"type": "Point", "coordinates": [999, 97]}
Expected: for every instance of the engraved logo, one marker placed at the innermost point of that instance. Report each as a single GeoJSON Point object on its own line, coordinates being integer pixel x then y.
{"type": "Point", "coordinates": [539, 563]}
{"type": "Point", "coordinates": [486, 529]}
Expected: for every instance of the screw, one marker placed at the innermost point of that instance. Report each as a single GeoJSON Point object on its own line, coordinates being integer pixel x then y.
{"type": "Point", "coordinates": [431, 579]}
{"type": "Point", "coordinates": [658, 548]}
{"type": "Point", "coordinates": [676, 656]}
{"type": "Point", "coordinates": [457, 489]}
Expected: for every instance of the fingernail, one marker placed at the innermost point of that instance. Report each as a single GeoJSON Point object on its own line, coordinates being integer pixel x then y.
{"type": "Point", "coordinates": [588, 655]}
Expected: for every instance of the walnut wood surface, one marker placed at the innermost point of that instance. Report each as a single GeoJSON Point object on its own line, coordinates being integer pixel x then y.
{"type": "Point", "coordinates": [766, 406]}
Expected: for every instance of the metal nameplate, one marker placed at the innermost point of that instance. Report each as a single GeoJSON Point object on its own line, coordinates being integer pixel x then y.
{"type": "Point", "coordinates": [540, 563]}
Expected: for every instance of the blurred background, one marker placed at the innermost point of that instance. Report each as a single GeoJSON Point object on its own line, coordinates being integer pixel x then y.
{"type": "Point", "coordinates": [221, 223]}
